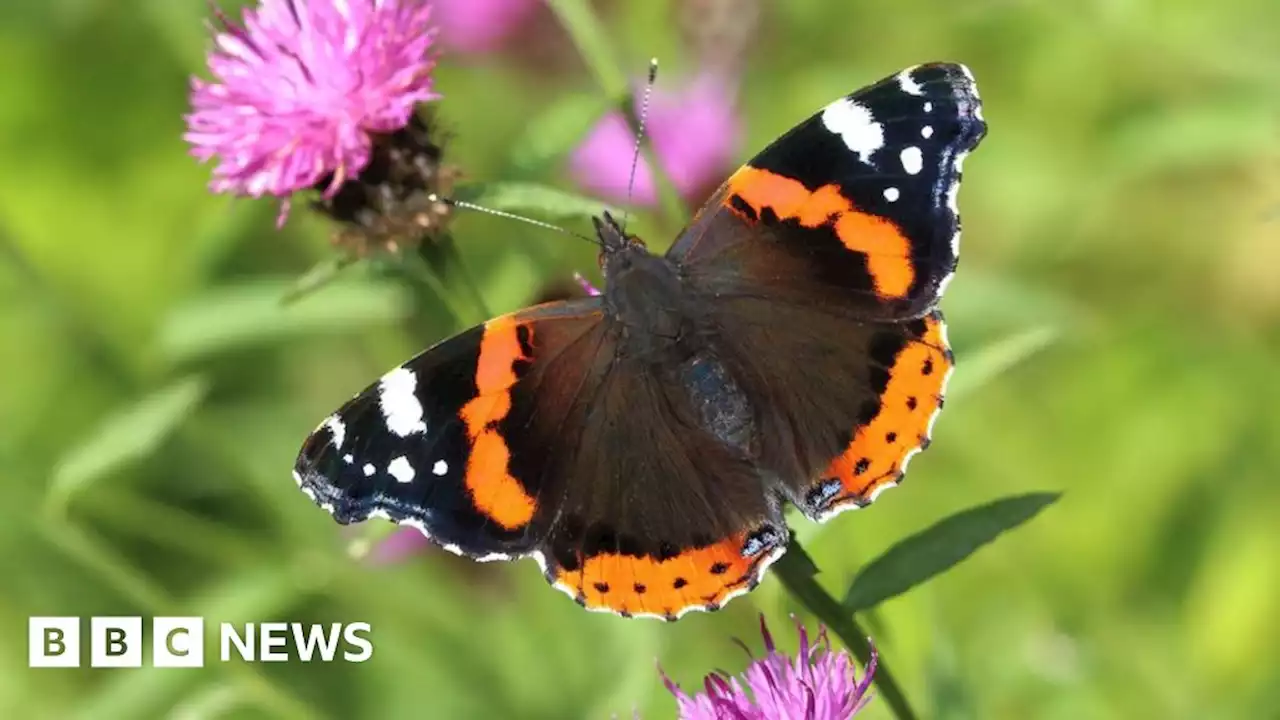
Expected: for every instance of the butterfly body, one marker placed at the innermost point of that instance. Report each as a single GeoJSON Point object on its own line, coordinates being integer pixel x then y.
{"type": "Point", "coordinates": [641, 445]}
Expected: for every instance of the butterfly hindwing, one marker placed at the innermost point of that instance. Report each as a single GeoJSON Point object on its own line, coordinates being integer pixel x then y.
{"type": "Point", "coordinates": [910, 363]}
{"type": "Point", "coordinates": [855, 208]}
{"type": "Point", "coordinates": [662, 509]}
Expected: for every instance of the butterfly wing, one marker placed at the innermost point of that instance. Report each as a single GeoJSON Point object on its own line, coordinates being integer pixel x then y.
{"type": "Point", "coordinates": [843, 404]}
{"type": "Point", "coordinates": [831, 249]}
{"type": "Point", "coordinates": [532, 435]}
{"type": "Point", "coordinates": [854, 209]}
{"type": "Point", "coordinates": [438, 443]}
{"type": "Point", "coordinates": [662, 510]}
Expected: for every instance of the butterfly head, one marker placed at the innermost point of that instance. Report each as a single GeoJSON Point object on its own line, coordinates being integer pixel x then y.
{"type": "Point", "coordinates": [613, 237]}
{"type": "Point", "coordinates": [642, 290]}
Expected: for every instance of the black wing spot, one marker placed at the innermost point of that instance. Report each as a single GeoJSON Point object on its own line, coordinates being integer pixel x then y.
{"type": "Point", "coordinates": [928, 367]}
{"type": "Point", "coordinates": [861, 466]}
{"type": "Point", "coordinates": [891, 437]}
{"type": "Point", "coordinates": [878, 377]}
{"type": "Point", "coordinates": [912, 402]}
{"type": "Point", "coordinates": [870, 409]}
{"type": "Point", "coordinates": [679, 583]}
{"type": "Point", "coordinates": [600, 538]}
{"type": "Point", "coordinates": [743, 207]}
{"type": "Point", "coordinates": [885, 348]}
{"type": "Point", "coordinates": [719, 568]}
{"type": "Point", "coordinates": [640, 588]}
{"type": "Point", "coordinates": [630, 545]}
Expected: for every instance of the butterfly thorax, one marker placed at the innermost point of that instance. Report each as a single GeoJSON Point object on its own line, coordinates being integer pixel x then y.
{"type": "Point", "coordinates": [643, 296]}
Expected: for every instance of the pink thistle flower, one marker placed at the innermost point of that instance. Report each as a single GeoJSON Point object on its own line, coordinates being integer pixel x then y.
{"type": "Point", "coordinates": [402, 544]}
{"type": "Point", "coordinates": [585, 284]}
{"type": "Point", "coordinates": [478, 26]}
{"type": "Point", "coordinates": [301, 87]}
{"type": "Point", "coordinates": [818, 684]}
{"type": "Point", "coordinates": [694, 131]}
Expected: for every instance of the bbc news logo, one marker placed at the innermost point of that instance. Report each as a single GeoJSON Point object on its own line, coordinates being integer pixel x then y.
{"type": "Point", "coordinates": [117, 642]}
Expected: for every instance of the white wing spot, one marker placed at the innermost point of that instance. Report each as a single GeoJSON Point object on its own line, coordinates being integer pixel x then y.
{"type": "Point", "coordinates": [912, 160]}
{"type": "Point", "coordinates": [926, 132]}
{"type": "Point", "coordinates": [337, 429]}
{"type": "Point", "coordinates": [400, 406]}
{"type": "Point", "coordinates": [892, 194]}
{"type": "Point", "coordinates": [440, 468]}
{"type": "Point", "coordinates": [368, 469]}
{"type": "Point", "coordinates": [348, 458]}
{"type": "Point", "coordinates": [401, 470]}
{"type": "Point", "coordinates": [909, 84]}
{"type": "Point", "coordinates": [855, 124]}
{"type": "Point", "coordinates": [928, 107]}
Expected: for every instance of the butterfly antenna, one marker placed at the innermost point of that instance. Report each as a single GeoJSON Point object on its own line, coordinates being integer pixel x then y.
{"type": "Point", "coordinates": [511, 216]}
{"type": "Point", "coordinates": [635, 157]}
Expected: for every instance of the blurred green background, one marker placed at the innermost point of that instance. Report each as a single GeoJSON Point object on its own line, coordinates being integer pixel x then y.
{"type": "Point", "coordinates": [1114, 317]}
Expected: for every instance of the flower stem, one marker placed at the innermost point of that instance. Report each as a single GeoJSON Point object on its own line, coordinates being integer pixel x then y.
{"type": "Point", "coordinates": [588, 34]}
{"type": "Point", "coordinates": [459, 271]}
{"type": "Point", "coordinates": [419, 270]}
{"type": "Point", "coordinates": [798, 574]}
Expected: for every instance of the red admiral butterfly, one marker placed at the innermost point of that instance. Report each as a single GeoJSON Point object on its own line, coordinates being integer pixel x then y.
{"type": "Point", "coordinates": [640, 444]}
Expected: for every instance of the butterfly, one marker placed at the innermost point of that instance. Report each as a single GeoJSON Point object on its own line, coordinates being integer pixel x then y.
{"type": "Point", "coordinates": [642, 445]}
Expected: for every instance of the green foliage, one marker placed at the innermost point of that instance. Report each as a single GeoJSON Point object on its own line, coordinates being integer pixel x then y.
{"type": "Point", "coordinates": [1113, 319]}
{"type": "Point", "coordinates": [127, 435]}
{"type": "Point", "coordinates": [244, 315]}
{"type": "Point", "coordinates": [932, 551]}
{"type": "Point", "coordinates": [531, 198]}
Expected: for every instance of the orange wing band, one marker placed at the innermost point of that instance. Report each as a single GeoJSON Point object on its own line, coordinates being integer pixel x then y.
{"type": "Point", "coordinates": [704, 578]}
{"type": "Point", "coordinates": [887, 250]}
{"type": "Point", "coordinates": [877, 455]}
{"type": "Point", "coordinates": [495, 492]}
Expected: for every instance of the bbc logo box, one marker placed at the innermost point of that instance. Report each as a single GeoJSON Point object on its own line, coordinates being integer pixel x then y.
{"type": "Point", "coordinates": [115, 642]}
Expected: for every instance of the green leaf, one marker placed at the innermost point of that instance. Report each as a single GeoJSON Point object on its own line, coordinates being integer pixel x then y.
{"type": "Point", "coordinates": [935, 550]}
{"type": "Point", "coordinates": [520, 198]}
{"type": "Point", "coordinates": [550, 135]}
{"type": "Point", "coordinates": [252, 314]}
{"type": "Point", "coordinates": [128, 435]}
{"type": "Point", "coordinates": [318, 276]}
{"type": "Point", "coordinates": [992, 361]}
{"type": "Point", "coordinates": [1215, 133]}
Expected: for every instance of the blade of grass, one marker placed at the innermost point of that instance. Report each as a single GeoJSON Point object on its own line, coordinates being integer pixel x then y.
{"type": "Point", "coordinates": [592, 41]}
{"type": "Point", "coordinates": [125, 436]}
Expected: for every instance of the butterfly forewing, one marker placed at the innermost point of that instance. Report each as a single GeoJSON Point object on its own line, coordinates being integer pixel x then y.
{"type": "Point", "coordinates": [853, 209]}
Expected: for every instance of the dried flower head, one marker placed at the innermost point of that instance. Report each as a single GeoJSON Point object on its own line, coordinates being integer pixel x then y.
{"type": "Point", "coordinates": [301, 89]}
{"type": "Point", "coordinates": [817, 684]}
{"type": "Point", "coordinates": [399, 196]}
